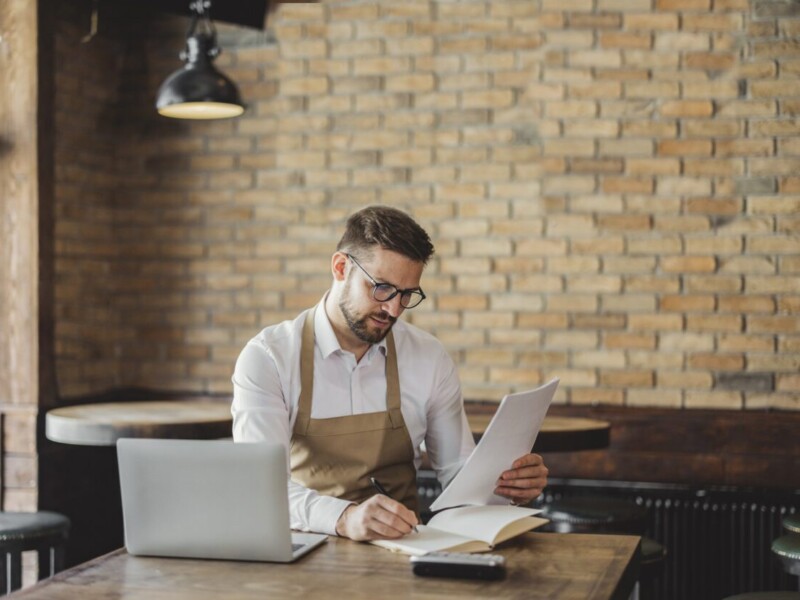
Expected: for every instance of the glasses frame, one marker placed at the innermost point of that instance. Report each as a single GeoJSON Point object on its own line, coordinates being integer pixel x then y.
{"type": "Point", "coordinates": [376, 285]}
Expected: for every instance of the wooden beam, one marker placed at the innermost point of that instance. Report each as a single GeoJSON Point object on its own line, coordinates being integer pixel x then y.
{"type": "Point", "coordinates": [19, 222]}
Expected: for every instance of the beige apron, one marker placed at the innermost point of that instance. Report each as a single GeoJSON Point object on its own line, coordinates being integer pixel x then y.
{"type": "Point", "coordinates": [337, 456]}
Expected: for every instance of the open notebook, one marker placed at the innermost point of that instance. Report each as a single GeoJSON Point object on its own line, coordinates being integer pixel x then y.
{"type": "Point", "coordinates": [208, 499]}
{"type": "Point", "coordinates": [467, 529]}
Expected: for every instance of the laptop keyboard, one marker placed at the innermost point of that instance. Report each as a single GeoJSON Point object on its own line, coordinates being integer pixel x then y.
{"type": "Point", "coordinates": [296, 547]}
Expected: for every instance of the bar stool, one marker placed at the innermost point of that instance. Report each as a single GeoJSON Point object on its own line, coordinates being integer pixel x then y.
{"type": "Point", "coordinates": [787, 549]}
{"type": "Point", "coordinates": [44, 532]}
{"type": "Point", "coordinates": [792, 523]}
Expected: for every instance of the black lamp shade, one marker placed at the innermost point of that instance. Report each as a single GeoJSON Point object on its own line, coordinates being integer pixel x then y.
{"type": "Point", "coordinates": [199, 90]}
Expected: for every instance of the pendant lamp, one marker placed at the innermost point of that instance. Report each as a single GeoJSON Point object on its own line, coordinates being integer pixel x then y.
{"type": "Point", "coordinates": [199, 90]}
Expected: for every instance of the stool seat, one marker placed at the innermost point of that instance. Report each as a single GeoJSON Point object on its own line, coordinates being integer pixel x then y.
{"type": "Point", "coordinates": [44, 532]}
{"type": "Point", "coordinates": [26, 527]}
{"type": "Point", "coordinates": [581, 514]}
{"type": "Point", "coordinates": [787, 548]}
{"type": "Point", "coordinates": [792, 523]}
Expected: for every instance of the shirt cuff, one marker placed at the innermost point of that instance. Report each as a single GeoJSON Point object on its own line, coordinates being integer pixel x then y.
{"type": "Point", "coordinates": [327, 512]}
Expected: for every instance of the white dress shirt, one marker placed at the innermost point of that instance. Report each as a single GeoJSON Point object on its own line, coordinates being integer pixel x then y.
{"type": "Point", "coordinates": [266, 390]}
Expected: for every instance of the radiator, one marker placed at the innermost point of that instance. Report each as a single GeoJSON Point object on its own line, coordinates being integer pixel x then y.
{"type": "Point", "coordinates": [718, 540]}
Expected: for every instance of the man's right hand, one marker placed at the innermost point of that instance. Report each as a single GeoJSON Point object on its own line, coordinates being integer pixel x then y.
{"type": "Point", "coordinates": [378, 518]}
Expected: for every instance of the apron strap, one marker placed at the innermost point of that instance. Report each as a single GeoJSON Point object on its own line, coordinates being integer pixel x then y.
{"type": "Point", "coordinates": [393, 384]}
{"type": "Point", "coordinates": [306, 374]}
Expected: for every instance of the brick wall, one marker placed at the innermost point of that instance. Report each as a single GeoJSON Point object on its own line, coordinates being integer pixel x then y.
{"type": "Point", "coordinates": [612, 186]}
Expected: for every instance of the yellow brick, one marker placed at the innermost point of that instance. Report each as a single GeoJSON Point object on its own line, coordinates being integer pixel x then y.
{"type": "Point", "coordinates": [614, 39]}
{"type": "Point", "coordinates": [688, 264]}
{"type": "Point", "coordinates": [654, 398]}
{"type": "Point", "coordinates": [542, 320]}
{"type": "Point", "coordinates": [571, 339]}
{"type": "Point", "coordinates": [515, 376]}
{"type": "Point", "coordinates": [596, 396]}
{"type": "Point", "coordinates": [590, 128]}
{"type": "Point", "coordinates": [571, 109]}
{"type": "Point", "coordinates": [488, 320]}
{"type": "Point", "coordinates": [787, 383]}
{"type": "Point", "coordinates": [687, 108]}
{"type": "Point", "coordinates": [304, 86]}
{"type": "Point", "coordinates": [626, 379]}
{"type": "Point", "coordinates": [599, 359]}
{"type": "Point", "coordinates": [664, 322]}
{"type": "Point", "coordinates": [487, 99]}
{"type": "Point", "coordinates": [684, 379]}
{"type": "Point", "coordinates": [572, 303]}
{"type": "Point", "coordinates": [648, 20]}
{"type": "Point", "coordinates": [518, 265]}
{"type": "Point", "coordinates": [407, 158]}
{"type": "Point", "coordinates": [641, 185]}
{"type": "Point", "coordinates": [515, 337]}
{"type": "Point", "coordinates": [730, 323]}
{"type": "Point", "coordinates": [596, 283]}
{"type": "Point", "coordinates": [772, 89]}
{"type": "Point", "coordinates": [713, 283]}
{"type": "Point", "coordinates": [652, 89]}
{"type": "Point", "coordinates": [626, 147]}
{"type": "Point", "coordinates": [630, 340]}
{"type": "Point", "coordinates": [306, 48]}
{"type": "Point", "coordinates": [716, 399]}
{"type": "Point", "coordinates": [685, 147]}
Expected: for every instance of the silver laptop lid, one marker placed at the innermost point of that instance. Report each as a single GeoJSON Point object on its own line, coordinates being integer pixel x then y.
{"type": "Point", "coordinates": [205, 499]}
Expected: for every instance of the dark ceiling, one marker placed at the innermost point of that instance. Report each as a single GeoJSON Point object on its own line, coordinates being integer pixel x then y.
{"type": "Point", "coordinates": [249, 13]}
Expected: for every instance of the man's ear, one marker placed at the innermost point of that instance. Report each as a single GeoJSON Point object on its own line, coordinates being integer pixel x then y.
{"type": "Point", "coordinates": [338, 265]}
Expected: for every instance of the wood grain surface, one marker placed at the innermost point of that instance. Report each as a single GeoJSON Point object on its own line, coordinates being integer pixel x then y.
{"type": "Point", "coordinates": [18, 204]}
{"type": "Point", "coordinates": [539, 565]}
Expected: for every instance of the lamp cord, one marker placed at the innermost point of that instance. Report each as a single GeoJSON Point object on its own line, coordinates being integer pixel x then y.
{"type": "Point", "coordinates": [201, 10]}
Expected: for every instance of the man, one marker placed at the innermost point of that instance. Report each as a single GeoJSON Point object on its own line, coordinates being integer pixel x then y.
{"type": "Point", "coordinates": [354, 392]}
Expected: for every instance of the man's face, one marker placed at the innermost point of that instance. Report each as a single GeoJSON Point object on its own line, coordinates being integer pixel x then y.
{"type": "Point", "coordinates": [368, 319]}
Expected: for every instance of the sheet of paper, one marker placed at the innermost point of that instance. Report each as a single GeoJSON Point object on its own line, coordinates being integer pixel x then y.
{"type": "Point", "coordinates": [510, 434]}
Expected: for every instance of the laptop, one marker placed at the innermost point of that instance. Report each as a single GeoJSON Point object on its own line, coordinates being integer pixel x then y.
{"type": "Point", "coordinates": [208, 499]}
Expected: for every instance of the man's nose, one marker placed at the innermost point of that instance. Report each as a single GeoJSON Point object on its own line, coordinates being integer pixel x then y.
{"type": "Point", "coordinates": [393, 306]}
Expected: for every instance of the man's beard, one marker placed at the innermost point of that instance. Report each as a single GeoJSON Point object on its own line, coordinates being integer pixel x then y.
{"type": "Point", "coordinates": [359, 326]}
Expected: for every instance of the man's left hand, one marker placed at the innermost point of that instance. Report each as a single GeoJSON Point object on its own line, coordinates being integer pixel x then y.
{"type": "Point", "coordinates": [524, 481]}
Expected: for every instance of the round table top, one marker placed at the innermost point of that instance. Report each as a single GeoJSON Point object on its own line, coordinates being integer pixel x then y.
{"type": "Point", "coordinates": [558, 434]}
{"type": "Point", "coordinates": [102, 424]}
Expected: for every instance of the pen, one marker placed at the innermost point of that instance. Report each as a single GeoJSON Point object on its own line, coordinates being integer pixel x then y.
{"type": "Point", "coordinates": [381, 490]}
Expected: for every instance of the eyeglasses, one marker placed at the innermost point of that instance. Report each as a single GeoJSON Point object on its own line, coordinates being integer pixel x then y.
{"type": "Point", "coordinates": [383, 292]}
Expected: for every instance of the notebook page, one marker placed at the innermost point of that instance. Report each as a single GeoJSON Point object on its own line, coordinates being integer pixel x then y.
{"type": "Point", "coordinates": [428, 539]}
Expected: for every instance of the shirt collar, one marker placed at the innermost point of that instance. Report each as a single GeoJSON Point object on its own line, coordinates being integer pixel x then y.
{"type": "Point", "coordinates": [326, 338]}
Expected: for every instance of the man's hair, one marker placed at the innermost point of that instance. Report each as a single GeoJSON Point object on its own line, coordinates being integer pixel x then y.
{"type": "Point", "coordinates": [389, 228]}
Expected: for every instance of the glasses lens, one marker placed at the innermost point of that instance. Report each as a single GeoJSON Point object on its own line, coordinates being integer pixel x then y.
{"type": "Point", "coordinates": [411, 299]}
{"type": "Point", "coordinates": [384, 292]}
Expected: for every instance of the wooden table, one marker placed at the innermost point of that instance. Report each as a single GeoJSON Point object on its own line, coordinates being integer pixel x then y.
{"type": "Point", "coordinates": [558, 434]}
{"type": "Point", "coordinates": [540, 565]}
{"type": "Point", "coordinates": [101, 424]}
